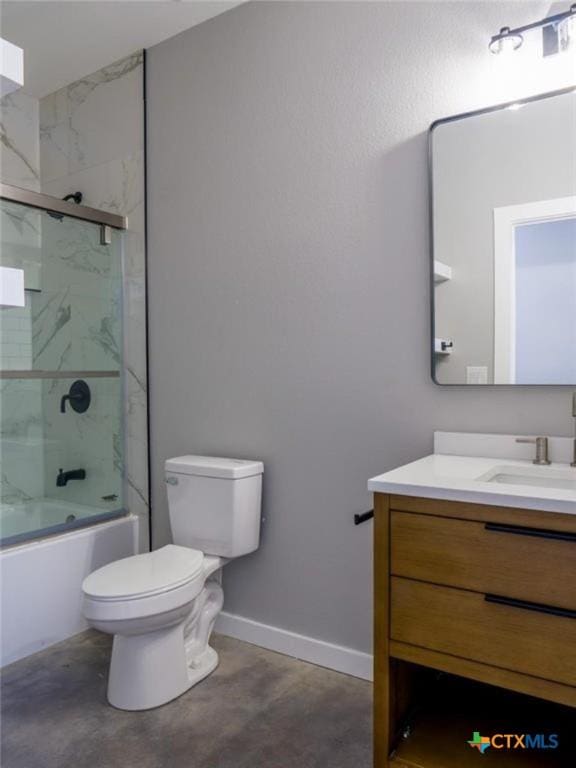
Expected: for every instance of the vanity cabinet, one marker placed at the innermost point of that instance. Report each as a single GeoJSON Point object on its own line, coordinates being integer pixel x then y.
{"type": "Point", "coordinates": [482, 592]}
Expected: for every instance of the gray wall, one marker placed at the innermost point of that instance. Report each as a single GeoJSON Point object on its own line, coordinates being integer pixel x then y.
{"type": "Point", "coordinates": [288, 266]}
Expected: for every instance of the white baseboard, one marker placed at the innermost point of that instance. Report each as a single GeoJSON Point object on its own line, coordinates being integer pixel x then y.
{"type": "Point", "coordinates": [319, 652]}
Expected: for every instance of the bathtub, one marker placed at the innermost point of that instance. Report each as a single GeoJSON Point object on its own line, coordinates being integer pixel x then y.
{"type": "Point", "coordinates": [43, 517]}
{"type": "Point", "coordinates": [41, 601]}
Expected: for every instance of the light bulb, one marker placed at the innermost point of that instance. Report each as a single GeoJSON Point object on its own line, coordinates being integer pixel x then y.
{"type": "Point", "coordinates": [505, 42]}
{"type": "Point", "coordinates": [567, 32]}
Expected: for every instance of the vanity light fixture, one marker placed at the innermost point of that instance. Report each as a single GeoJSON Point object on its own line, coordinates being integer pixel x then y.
{"type": "Point", "coordinates": [557, 31]}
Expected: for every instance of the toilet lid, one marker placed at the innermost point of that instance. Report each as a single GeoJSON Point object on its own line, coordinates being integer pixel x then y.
{"type": "Point", "coordinates": [144, 575]}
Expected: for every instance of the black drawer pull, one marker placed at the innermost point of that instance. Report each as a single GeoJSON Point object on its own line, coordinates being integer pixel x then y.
{"type": "Point", "coordinates": [565, 613]}
{"type": "Point", "coordinates": [539, 533]}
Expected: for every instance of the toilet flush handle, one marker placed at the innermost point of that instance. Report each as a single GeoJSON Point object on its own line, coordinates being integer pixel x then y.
{"type": "Point", "coordinates": [171, 480]}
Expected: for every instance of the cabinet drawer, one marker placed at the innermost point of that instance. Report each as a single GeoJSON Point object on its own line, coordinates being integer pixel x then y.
{"type": "Point", "coordinates": [470, 625]}
{"type": "Point", "coordinates": [515, 561]}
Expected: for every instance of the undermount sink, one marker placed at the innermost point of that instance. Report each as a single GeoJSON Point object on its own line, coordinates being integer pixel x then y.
{"type": "Point", "coordinates": [543, 477]}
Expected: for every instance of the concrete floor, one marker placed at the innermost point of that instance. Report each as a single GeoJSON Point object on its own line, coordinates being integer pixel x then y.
{"type": "Point", "coordinates": [257, 710]}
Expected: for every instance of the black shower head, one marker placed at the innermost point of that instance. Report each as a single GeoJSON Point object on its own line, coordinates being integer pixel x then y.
{"type": "Point", "coordinates": [75, 197]}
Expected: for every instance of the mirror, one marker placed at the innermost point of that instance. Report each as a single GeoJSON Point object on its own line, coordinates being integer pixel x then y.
{"type": "Point", "coordinates": [504, 244]}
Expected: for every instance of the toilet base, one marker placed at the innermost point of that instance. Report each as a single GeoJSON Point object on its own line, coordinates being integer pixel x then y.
{"type": "Point", "coordinates": [151, 669]}
{"type": "Point", "coordinates": [203, 666]}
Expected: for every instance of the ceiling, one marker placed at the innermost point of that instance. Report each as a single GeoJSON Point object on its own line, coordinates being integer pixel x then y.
{"type": "Point", "coordinates": [67, 39]}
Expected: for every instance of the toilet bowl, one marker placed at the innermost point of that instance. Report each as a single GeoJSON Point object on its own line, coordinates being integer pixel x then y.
{"type": "Point", "coordinates": [161, 609]}
{"type": "Point", "coordinates": [161, 606]}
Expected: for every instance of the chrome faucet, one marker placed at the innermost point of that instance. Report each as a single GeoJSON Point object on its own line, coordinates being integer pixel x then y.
{"type": "Point", "coordinates": [541, 444]}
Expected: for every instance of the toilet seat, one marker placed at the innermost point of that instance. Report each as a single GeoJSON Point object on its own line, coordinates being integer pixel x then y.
{"type": "Point", "coordinates": [145, 575]}
{"type": "Point", "coordinates": [141, 586]}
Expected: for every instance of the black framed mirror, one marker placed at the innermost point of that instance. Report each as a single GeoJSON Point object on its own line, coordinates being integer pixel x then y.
{"type": "Point", "coordinates": [503, 228]}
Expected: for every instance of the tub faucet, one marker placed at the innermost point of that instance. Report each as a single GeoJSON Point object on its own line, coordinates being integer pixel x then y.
{"type": "Point", "coordinates": [73, 474]}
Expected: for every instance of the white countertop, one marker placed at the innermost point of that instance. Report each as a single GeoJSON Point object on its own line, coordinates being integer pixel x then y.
{"type": "Point", "coordinates": [456, 478]}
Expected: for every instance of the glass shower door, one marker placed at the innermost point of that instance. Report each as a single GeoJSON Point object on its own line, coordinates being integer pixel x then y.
{"type": "Point", "coordinates": [61, 436]}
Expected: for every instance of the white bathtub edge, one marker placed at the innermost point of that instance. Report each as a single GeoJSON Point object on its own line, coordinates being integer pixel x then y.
{"type": "Point", "coordinates": [41, 599]}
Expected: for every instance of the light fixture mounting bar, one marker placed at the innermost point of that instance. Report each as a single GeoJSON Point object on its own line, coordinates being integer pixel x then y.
{"type": "Point", "coordinates": [554, 19]}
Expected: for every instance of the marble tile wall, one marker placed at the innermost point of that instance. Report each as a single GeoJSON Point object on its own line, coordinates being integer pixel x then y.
{"type": "Point", "coordinates": [21, 422]}
{"type": "Point", "coordinates": [16, 338]}
{"type": "Point", "coordinates": [19, 141]}
{"type": "Point", "coordinates": [76, 322]}
{"type": "Point", "coordinates": [92, 140]}
{"type": "Point", "coordinates": [88, 136]}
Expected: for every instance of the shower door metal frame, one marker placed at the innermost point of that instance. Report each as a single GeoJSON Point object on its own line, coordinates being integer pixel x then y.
{"type": "Point", "coordinates": [56, 205]}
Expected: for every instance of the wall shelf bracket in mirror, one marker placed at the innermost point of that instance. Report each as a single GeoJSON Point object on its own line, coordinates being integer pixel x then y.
{"type": "Point", "coordinates": [503, 263]}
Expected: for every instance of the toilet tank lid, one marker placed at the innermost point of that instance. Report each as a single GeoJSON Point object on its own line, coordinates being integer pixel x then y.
{"type": "Point", "coordinates": [213, 466]}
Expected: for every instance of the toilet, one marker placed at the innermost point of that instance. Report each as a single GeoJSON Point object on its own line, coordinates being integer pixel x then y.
{"type": "Point", "coordinates": [161, 606]}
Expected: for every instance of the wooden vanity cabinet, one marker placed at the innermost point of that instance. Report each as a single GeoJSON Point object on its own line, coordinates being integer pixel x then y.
{"type": "Point", "coordinates": [482, 592]}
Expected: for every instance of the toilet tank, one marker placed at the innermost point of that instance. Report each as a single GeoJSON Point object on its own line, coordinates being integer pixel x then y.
{"type": "Point", "coordinates": [215, 504]}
